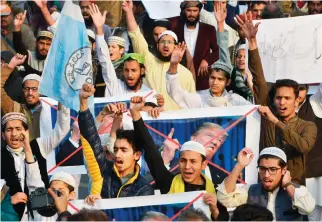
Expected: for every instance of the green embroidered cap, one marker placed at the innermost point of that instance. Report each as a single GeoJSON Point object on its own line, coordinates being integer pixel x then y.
{"type": "Point", "coordinates": [136, 56]}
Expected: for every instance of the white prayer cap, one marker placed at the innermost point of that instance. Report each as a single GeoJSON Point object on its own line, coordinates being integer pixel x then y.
{"type": "Point", "coordinates": [193, 146]}
{"type": "Point", "coordinates": [2, 183]}
{"type": "Point", "coordinates": [91, 34]}
{"type": "Point", "coordinates": [274, 151]}
{"type": "Point", "coordinates": [117, 40]}
{"type": "Point", "coordinates": [32, 77]}
{"type": "Point", "coordinates": [65, 177]}
{"type": "Point", "coordinates": [168, 32]}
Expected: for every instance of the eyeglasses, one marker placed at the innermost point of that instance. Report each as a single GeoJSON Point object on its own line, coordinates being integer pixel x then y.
{"type": "Point", "coordinates": [169, 42]}
{"type": "Point", "coordinates": [271, 170]}
{"type": "Point", "coordinates": [27, 89]}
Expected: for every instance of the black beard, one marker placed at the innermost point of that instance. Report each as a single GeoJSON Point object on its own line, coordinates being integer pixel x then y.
{"type": "Point", "coordinates": [162, 58]}
{"type": "Point", "coordinates": [191, 23]}
{"type": "Point", "coordinates": [139, 82]}
{"type": "Point", "coordinates": [40, 56]}
{"type": "Point", "coordinates": [32, 106]}
{"type": "Point", "coordinates": [88, 22]}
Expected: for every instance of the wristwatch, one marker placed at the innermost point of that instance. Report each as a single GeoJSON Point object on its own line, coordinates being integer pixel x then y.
{"type": "Point", "coordinates": [286, 185]}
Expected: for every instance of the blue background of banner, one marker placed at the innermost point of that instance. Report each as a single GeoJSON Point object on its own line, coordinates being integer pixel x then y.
{"type": "Point", "coordinates": [225, 157]}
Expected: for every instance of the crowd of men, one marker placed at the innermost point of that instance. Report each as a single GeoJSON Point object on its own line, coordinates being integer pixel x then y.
{"type": "Point", "coordinates": [207, 57]}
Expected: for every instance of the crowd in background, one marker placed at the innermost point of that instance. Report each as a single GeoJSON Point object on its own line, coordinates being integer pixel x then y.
{"type": "Point", "coordinates": [206, 57]}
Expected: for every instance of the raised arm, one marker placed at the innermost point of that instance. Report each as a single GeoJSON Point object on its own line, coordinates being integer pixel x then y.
{"type": "Point", "coordinates": [88, 128]}
{"type": "Point", "coordinates": [42, 4]}
{"type": "Point", "coordinates": [17, 36]}
{"type": "Point", "coordinates": [162, 176]}
{"type": "Point", "coordinates": [113, 84]}
{"type": "Point", "coordinates": [228, 194]}
{"type": "Point", "coordinates": [183, 98]}
{"type": "Point", "coordinates": [33, 176]}
{"type": "Point", "coordinates": [48, 144]}
{"type": "Point", "coordinates": [254, 62]}
{"type": "Point", "coordinates": [138, 41]}
{"type": "Point", "coordinates": [7, 104]}
{"type": "Point", "coordinates": [222, 34]}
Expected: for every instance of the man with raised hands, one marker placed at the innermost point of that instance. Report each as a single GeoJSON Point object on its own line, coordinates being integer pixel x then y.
{"type": "Point", "coordinates": [121, 177]}
{"type": "Point", "coordinates": [275, 191]}
{"type": "Point", "coordinates": [220, 75]}
{"type": "Point", "coordinates": [14, 154]}
{"type": "Point", "coordinates": [192, 163]}
{"type": "Point", "coordinates": [156, 66]}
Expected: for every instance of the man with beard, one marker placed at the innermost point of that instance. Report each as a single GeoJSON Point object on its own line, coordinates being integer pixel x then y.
{"type": "Point", "coordinates": [314, 7]}
{"type": "Point", "coordinates": [7, 28]}
{"type": "Point", "coordinates": [84, 5]}
{"type": "Point", "coordinates": [35, 59]}
{"type": "Point", "coordinates": [37, 112]}
{"type": "Point", "coordinates": [200, 39]}
{"type": "Point", "coordinates": [286, 200]}
{"type": "Point", "coordinates": [133, 70]}
{"type": "Point", "coordinates": [160, 26]}
{"type": "Point", "coordinates": [156, 66]}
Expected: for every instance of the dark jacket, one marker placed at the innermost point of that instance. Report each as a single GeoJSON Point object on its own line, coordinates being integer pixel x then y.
{"type": "Point", "coordinates": [283, 203]}
{"type": "Point", "coordinates": [112, 185]}
{"type": "Point", "coordinates": [10, 175]}
{"type": "Point", "coordinates": [314, 157]}
{"type": "Point", "coordinates": [64, 150]}
{"type": "Point", "coordinates": [206, 42]}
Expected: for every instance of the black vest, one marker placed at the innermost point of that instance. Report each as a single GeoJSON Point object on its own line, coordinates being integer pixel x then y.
{"type": "Point", "coordinates": [10, 175]}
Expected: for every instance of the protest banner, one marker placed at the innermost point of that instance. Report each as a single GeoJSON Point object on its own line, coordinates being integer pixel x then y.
{"type": "Point", "coordinates": [132, 208]}
{"type": "Point", "coordinates": [185, 122]}
{"type": "Point", "coordinates": [154, 8]}
{"type": "Point", "coordinates": [293, 50]}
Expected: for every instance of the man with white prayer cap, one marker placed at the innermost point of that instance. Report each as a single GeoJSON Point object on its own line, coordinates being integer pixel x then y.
{"type": "Point", "coordinates": [275, 191]}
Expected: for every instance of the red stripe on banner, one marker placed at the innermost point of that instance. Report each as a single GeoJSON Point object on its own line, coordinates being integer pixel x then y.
{"type": "Point", "coordinates": [64, 160]}
{"type": "Point", "coordinates": [220, 133]}
{"type": "Point", "coordinates": [225, 171]}
{"type": "Point", "coordinates": [161, 134]}
{"type": "Point", "coordinates": [54, 107]}
{"type": "Point", "coordinates": [186, 207]}
{"type": "Point", "coordinates": [148, 95]}
{"type": "Point", "coordinates": [72, 206]}
{"type": "Point", "coordinates": [232, 125]}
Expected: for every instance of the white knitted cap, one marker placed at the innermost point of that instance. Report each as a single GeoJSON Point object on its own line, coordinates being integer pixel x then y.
{"type": "Point", "coordinates": [65, 177]}
{"type": "Point", "coordinates": [194, 146]}
{"type": "Point", "coordinates": [31, 77]}
{"type": "Point", "coordinates": [274, 151]}
{"type": "Point", "coordinates": [168, 32]}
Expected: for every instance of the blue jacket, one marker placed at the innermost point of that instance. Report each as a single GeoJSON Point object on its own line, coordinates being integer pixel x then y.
{"type": "Point", "coordinates": [112, 185]}
{"type": "Point", "coordinates": [283, 203]}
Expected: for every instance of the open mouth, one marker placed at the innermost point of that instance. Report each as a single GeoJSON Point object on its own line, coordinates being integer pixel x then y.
{"type": "Point", "coordinates": [187, 174]}
{"type": "Point", "coordinates": [118, 162]}
{"type": "Point", "coordinates": [282, 109]}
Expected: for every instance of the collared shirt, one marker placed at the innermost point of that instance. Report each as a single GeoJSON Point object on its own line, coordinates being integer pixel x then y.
{"type": "Point", "coordinates": [271, 201]}
{"type": "Point", "coordinates": [190, 36]}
